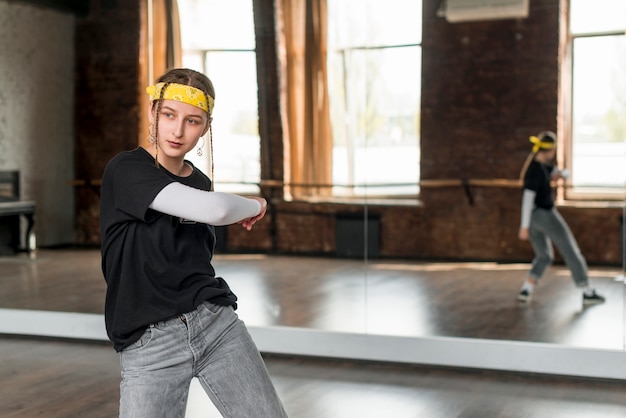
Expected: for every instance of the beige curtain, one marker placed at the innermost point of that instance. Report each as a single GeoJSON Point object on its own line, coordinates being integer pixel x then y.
{"type": "Point", "coordinates": [160, 50]}
{"type": "Point", "coordinates": [308, 137]}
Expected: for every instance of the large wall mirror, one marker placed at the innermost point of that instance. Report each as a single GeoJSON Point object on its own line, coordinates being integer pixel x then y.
{"type": "Point", "coordinates": [363, 304]}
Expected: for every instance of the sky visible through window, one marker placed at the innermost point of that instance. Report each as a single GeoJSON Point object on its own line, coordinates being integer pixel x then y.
{"type": "Point", "coordinates": [599, 93]}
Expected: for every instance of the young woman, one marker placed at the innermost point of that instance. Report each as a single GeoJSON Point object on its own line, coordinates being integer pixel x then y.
{"type": "Point", "coordinates": [166, 312]}
{"type": "Point", "coordinates": [543, 225]}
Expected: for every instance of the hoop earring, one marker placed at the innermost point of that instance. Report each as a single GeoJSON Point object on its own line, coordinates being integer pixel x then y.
{"type": "Point", "coordinates": [199, 151]}
{"type": "Point", "coordinates": [151, 137]}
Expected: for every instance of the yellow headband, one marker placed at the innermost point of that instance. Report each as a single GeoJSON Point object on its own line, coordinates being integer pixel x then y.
{"type": "Point", "coordinates": [540, 145]}
{"type": "Point", "coordinates": [182, 93]}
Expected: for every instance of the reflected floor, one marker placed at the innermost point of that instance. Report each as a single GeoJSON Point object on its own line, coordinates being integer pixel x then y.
{"type": "Point", "coordinates": [389, 297]}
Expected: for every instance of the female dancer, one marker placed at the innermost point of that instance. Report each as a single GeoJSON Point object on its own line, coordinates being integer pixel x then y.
{"type": "Point", "coordinates": [543, 225]}
{"type": "Point", "coordinates": [166, 312]}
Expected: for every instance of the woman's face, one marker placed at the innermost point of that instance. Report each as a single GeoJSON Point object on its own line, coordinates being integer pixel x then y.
{"type": "Point", "coordinates": [180, 127]}
{"type": "Point", "coordinates": [545, 156]}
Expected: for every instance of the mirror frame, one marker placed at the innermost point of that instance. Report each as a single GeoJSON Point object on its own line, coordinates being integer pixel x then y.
{"type": "Point", "coordinates": [469, 353]}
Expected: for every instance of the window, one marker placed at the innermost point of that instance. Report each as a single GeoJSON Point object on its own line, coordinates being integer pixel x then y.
{"type": "Point", "coordinates": [598, 142]}
{"type": "Point", "coordinates": [218, 40]}
{"type": "Point", "coordinates": [374, 76]}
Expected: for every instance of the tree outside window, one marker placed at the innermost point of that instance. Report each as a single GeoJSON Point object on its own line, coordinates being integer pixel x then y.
{"type": "Point", "coordinates": [374, 73]}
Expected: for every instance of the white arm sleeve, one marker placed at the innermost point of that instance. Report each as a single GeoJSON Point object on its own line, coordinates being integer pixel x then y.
{"type": "Point", "coordinates": [213, 208]}
{"type": "Point", "coordinates": [560, 172]}
{"type": "Point", "coordinates": [528, 202]}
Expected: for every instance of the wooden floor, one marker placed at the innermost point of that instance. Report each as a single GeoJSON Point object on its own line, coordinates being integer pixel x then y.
{"type": "Point", "coordinates": [67, 379]}
{"type": "Point", "coordinates": [62, 378]}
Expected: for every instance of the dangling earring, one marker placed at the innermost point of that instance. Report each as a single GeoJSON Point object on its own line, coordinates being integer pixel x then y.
{"type": "Point", "coordinates": [151, 137]}
{"type": "Point", "coordinates": [199, 151]}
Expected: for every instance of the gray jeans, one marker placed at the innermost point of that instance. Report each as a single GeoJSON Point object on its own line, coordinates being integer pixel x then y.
{"type": "Point", "coordinates": [547, 227]}
{"type": "Point", "coordinates": [210, 343]}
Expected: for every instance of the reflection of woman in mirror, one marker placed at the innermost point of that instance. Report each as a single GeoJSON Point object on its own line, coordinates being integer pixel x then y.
{"type": "Point", "coordinates": [542, 224]}
{"type": "Point", "coordinates": [166, 312]}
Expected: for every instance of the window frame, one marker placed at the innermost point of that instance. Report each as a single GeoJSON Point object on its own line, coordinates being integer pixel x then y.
{"type": "Point", "coordinates": [568, 191]}
{"type": "Point", "coordinates": [361, 190]}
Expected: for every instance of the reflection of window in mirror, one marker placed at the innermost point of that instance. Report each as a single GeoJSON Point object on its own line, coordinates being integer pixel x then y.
{"type": "Point", "coordinates": [374, 75]}
{"type": "Point", "coordinates": [225, 51]}
{"type": "Point", "coordinates": [598, 111]}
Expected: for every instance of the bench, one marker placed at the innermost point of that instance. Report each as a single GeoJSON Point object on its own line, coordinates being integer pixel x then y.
{"type": "Point", "coordinates": [12, 210]}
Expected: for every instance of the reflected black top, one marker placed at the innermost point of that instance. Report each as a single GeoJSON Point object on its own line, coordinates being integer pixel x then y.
{"type": "Point", "coordinates": [537, 178]}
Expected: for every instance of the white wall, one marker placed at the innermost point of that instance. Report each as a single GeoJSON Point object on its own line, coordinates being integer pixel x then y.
{"type": "Point", "coordinates": [37, 112]}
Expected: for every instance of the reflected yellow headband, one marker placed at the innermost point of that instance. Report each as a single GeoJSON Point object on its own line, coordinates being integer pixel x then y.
{"type": "Point", "coordinates": [182, 93]}
{"type": "Point", "coordinates": [540, 145]}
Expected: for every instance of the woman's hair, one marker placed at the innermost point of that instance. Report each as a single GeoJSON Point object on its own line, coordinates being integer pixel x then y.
{"type": "Point", "coordinates": [545, 137]}
{"type": "Point", "coordinates": [190, 78]}
{"type": "Point", "coordinates": [187, 77]}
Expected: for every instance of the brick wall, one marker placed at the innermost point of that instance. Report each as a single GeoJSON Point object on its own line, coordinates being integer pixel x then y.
{"type": "Point", "coordinates": [107, 78]}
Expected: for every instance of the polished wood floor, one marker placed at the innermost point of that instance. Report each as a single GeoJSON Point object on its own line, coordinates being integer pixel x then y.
{"type": "Point", "coordinates": [389, 297]}
{"type": "Point", "coordinates": [62, 378]}
{"type": "Point", "coordinates": [74, 379]}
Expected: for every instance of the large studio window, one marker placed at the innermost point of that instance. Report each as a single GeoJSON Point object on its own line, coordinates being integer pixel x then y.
{"type": "Point", "coordinates": [351, 72]}
{"type": "Point", "coordinates": [597, 152]}
{"type": "Point", "coordinates": [374, 75]}
{"type": "Point", "coordinates": [218, 40]}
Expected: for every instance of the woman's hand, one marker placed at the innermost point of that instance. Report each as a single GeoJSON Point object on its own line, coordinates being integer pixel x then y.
{"type": "Point", "coordinates": [247, 223]}
{"type": "Point", "coordinates": [523, 234]}
{"type": "Point", "coordinates": [560, 174]}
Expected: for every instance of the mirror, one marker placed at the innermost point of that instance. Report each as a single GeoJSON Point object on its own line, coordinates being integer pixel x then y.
{"type": "Point", "coordinates": [369, 293]}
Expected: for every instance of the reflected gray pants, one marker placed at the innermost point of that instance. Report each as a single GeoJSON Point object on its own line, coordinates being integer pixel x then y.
{"type": "Point", "coordinates": [547, 227]}
{"type": "Point", "coordinates": [211, 343]}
